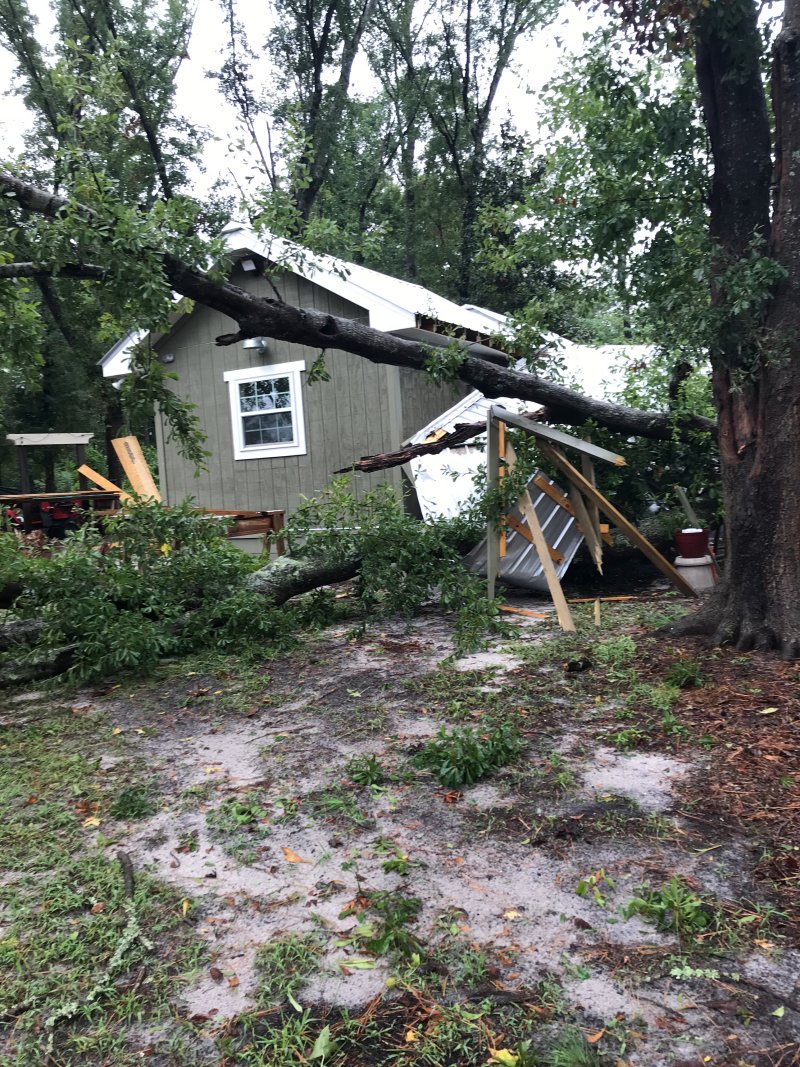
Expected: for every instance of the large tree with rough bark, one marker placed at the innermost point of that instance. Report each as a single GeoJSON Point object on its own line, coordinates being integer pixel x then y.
{"type": "Point", "coordinates": [754, 272]}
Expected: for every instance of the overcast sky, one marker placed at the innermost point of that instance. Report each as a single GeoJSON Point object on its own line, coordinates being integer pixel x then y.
{"type": "Point", "coordinates": [200, 102]}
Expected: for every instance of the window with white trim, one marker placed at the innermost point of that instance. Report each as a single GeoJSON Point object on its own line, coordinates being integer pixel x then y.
{"type": "Point", "coordinates": [267, 411]}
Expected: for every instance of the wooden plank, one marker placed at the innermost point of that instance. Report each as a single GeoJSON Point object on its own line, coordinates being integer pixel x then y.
{"type": "Point", "coordinates": [523, 611]}
{"type": "Point", "coordinates": [616, 516]}
{"type": "Point", "coordinates": [135, 466]}
{"type": "Point", "coordinates": [588, 528]}
{"type": "Point", "coordinates": [587, 467]}
{"type": "Point", "coordinates": [523, 531]}
{"type": "Point", "coordinates": [555, 494]}
{"type": "Point", "coordinates": [493, 479]}
{"type": "Point", "coordinates": [501, 447]}
{"type": "Point", "coordinates": [553, 584]}
{"type": "Point", "coordinates": [50, 438]}
{"type": "Point", "coordinates": [103, 482]}
{"type": "Point", "coordinates": [547, 433]}
{"type": "Point", "coordinates": [90, 494]}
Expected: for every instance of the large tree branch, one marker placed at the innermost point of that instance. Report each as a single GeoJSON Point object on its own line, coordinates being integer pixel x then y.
{"type": "Point", "coordinates": [88, 271]}
{"type": "Point", "coordinates": [260, 317]}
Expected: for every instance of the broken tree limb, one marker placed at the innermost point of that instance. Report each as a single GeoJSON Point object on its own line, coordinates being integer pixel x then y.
{"type": "Point", "coordinates": [464, 431]}
{"type": "Point", "coordinates": [289, 576]}
{"type": "Point", "coordinates": [258, 316]}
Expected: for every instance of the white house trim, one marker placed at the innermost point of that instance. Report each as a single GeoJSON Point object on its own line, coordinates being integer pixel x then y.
{"type": "Point", "coordinates": [235, 378]}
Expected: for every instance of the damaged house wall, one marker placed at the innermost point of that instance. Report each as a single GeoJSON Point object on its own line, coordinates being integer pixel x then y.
{"type": "Point", "coordinates": [363, 409]}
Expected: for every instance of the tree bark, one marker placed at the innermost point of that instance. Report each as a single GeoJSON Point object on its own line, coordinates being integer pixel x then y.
{"type": "Point", "coordinates": [261, 317]}
{"type": "Point", "coordinates": [289, 576]}
{"type": "Point", "coordinates": [758, 603]}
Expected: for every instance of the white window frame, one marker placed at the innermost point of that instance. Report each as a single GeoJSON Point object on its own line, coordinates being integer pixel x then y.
{"type": "Point", "coordinates": [292, 371]}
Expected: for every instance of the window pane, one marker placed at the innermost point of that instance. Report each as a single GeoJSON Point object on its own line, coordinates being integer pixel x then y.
{"type": "Point", "coordinates": [265, 394]}
{"type": "Point", "coordinates": [269, 429]}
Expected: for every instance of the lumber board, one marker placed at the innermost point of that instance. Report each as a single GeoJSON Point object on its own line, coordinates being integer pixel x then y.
{"type": "Point", "coordinates": [649, 550]}
{"type": "Point", "coordinates": [555, 494]}
{"type": "Point", "coordinates": [587, 468]}
{"type": "Point", "coordinates": [523, 611]}
{"type": "Point", "coordinates": [540, 544]}
{"type": "Point", "coordinates": [548, 433]}
{"type": "Point", "coordinates": [587, 527]}
{"type": "Point", "coordinates": [130, 455]}
{"type": "Point", "coordinates": [523, 531]}
{"type": "Point", "coordinates": [103, 482]}
{"type": "Point", "coordinates": [492, 531]}
{"type": "Point", "coordinates": [501, 448]}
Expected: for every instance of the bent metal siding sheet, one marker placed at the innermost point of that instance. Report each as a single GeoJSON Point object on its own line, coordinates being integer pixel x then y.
{"type": "Point", "coordinates": [521, 565]}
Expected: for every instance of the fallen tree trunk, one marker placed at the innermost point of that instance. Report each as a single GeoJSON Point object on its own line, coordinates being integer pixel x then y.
{"type": "Point", "coordinates": [15, 672]}
{"type": "Point", "coordinates": [19, 634]}
{"type": "Point", "coordinates": [288, 576]}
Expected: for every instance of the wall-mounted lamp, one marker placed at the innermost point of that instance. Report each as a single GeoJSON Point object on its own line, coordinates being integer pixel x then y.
{"type": "Point", "coordinates": [248, 264]}
{"type": "Point", "coordinates": [258, 344]}
{"type": "Point", "coordinates": [168, 358]}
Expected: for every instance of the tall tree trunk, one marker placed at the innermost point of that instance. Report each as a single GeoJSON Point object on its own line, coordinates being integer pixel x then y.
{"type": "Point", "coordinates": [759, 411]}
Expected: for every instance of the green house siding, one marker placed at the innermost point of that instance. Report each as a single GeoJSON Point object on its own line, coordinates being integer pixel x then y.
{"type": "Point", "coordinates": [356, 413]}
{"type": "Point", "coordinates": [364, 409]}
{"type": "Point", "coordinates": [422, 400]}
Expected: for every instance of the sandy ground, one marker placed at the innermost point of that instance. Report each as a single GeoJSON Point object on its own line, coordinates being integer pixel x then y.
{"type": "Point", "coordinates": [504, 858]}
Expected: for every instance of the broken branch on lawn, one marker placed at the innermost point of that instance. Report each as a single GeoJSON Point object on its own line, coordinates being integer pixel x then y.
{"type": "Point", "coordinates": [262, 317]}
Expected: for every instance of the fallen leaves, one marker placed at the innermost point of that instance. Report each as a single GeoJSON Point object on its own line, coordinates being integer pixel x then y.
{"type": "Point", "coordinates": [291, 856]}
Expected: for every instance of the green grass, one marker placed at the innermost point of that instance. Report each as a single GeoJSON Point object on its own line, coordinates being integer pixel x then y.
{"type": "Point", "coordinates": [283, 965]}
{"type": "Point", "coordinates": [464, 756]}
{"type": "Point", "coordinates": [75, 949]}
{"type": "Point", "coordinates": [240, 824]}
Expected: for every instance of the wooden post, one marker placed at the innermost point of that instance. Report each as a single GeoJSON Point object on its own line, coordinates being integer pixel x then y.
{"type": "Point", "coordinates": [493, 480]}
{"type": "Point", "coordinates": [80, 454]}
{"type": "Point", "coordinates": [587, 466]}
{"type": "Point", "coordinates": [25, 483]}
{"type": "Point", "coordinates": [588, 527]}
{"type": "Point", "coordinates": [501, 449]}
{"type": "Point", "coordinates": [577, 479]}
{"type": "Point", "coordinates": [540, 544]}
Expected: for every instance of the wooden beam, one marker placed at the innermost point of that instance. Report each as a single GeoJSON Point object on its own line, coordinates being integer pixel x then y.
{"type": "Point", "coordinates": [501, 448]}
{"type": "Point", "coordinates": [587, 467]}
{"type": "Point", "coordinates": [523, 531]}
{"type": "Point", "coordinates": [555, 494]}
{"type": "Point", "coordinates": [540, 544]}
{"type": "Point", "coordinates": [587, 528]}
{"type": "Point", "coordinates": [548, 433]}
{"type": "Point", "coordinates": [616, 516]}
{"type": "Point", "coordinates": [523, 611]}
{"type": "Point", "coordinates": [103, 482]}
{"type": "Point", "coordinates": [136, 469]}
{"type": "Point", "coordinates": [493, 479]}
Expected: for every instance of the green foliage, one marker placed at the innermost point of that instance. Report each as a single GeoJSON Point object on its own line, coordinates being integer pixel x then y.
{"type": "Point", "coordinates": [164, 581]}
{"type": "Point", "coordinates": [684, 673]}
{"type": "Point", "coordinates": [365, 770]}
{"type": "Point", "coordinates": [673, 908]}
{"type": "Point", "coordinates": [283, 965]}
{"type": "Point", "coordinates": [466, 755]}
{"type": "Point", "coordinates": [134, 802]}
{"type": "Point", "coordinates": [404, 563]}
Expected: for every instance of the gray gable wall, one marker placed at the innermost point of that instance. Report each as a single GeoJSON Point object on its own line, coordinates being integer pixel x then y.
{"type": "Point", "coordinates": [359, 412]}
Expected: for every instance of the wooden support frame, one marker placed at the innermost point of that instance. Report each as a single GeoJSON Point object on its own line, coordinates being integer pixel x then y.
{"type": "Point", "coordinates": [587, 527]}
{"type": "Point", "coordinates": [575, 477]}
{"type": "Point", "coordinates": [555, 494]}
{"type": "Point", "coordinates": [493, 477]}
{"type": "Point", "coordinates": [553, 584]}
{"type": "Point", "coordinates": [523, 531]}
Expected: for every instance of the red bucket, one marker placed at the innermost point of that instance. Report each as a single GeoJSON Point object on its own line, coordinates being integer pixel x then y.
{"type": "Point", "coordinates": [692, 543]}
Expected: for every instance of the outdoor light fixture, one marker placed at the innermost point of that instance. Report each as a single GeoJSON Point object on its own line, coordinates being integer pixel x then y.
{"type": "Point", "coordinates": [259, 344]}
{"type": "Point", "coordinates": [248, 264]}
{"type": "Point", "coordinates": [168, 358]}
